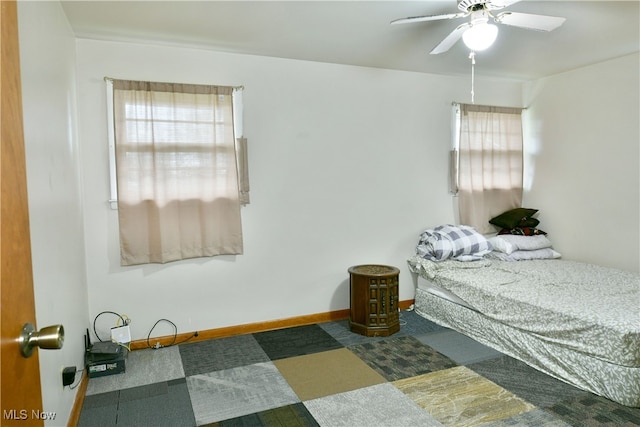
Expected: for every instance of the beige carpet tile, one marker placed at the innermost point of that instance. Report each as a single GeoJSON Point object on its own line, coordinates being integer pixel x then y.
{"type": "Point", "coordinates": [460, 397]}
{"type": "Point", "coordinates": [321, 374]}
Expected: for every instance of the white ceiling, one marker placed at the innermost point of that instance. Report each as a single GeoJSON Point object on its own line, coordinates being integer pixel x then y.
{"type": "Point", "coordinates": [358, 32]}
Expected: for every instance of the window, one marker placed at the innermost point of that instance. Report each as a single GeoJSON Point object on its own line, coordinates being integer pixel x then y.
{"type": "Point", "coordinates": [177, 163]}
{"type": "Point", "coordinates": [486, 162]}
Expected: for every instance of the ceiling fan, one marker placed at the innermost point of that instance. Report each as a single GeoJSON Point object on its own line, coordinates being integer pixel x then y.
{"type": "Point", "coordinates": [478, 34]}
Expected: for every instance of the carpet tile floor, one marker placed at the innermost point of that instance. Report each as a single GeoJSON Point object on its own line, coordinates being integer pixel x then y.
{"type": "Point", "coordinates": [325, 375]}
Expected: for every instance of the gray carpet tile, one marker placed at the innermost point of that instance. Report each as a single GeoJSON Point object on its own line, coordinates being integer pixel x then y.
{"type": "Point", "coordinates": [100, 409]}
{"type": "Point", "coordinates": [591, 410]}
{"type": "Point", "coordinates": [462, 349]}
{"type": "Point", "coordinates": [161, 404]}
{"type": "Point", "coordinates": [535, 418]}
{"type": "Point", "coordinates": [341, 331]}
{"type": "Point", "coordinates": [297, 341]}
{"type": "Point", "coordinates": [142, 367]}
{"type": "Point", "coordinates": [102, 400]}
{"type": "Point", "coordinates": [224, 353]}
{"type": "Point", "coordinates": [379, 405]}
{"type": "Point", "coordinates": [236, 382]}
{"type": "Point", "coordinates": [166, 403]}
{"type": "Point", "coordinates": [526, 382]}
{"type": "Point", "coordinates": [145, 391]}
{"type": "Point", "coordinates": [411, 323]}
{"type": "Point", "coordinates": [231, 393]}
{"type": "Point", "coordinates": [401, 357]}
{"type": "Point", "coordinates": [296, 415]}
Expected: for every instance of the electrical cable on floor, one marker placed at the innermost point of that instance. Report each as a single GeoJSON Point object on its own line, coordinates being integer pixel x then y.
{"type": "Point", "coordinates": [404, 322]}
{"type": "Point", "coordinates": [124, 320]}
{"type": "Point", "coordinates": [175, 336]}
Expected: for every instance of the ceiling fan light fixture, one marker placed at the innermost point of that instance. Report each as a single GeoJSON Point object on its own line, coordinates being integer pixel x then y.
{"type": "Point", "coordinates": [480, 36]}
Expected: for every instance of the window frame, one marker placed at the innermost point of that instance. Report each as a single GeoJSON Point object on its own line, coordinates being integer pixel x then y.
{"type": "Point", "coordinates": [113, 183]}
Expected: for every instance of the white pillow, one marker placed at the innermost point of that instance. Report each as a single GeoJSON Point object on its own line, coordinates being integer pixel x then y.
{"type": "Point", "coordinates": [509, 243]}
{"type": "Point", "coordinates": [546, 253]}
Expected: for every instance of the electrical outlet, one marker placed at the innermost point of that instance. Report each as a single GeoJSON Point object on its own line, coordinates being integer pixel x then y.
{"type": "Point", "coordinates": [121, 334]}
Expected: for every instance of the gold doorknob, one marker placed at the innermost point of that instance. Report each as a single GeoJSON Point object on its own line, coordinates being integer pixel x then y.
{"type": "Point", "coordinates": [51, 338]}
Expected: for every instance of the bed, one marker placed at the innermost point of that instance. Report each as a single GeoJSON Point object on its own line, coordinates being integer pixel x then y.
{"type": "Point", "coordinates": [574, 321]}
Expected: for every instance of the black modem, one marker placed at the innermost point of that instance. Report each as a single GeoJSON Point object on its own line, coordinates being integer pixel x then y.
{"type": "Point", "coordinates": [104, 358]}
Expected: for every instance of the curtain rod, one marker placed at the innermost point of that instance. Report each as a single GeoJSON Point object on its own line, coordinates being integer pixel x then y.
{"type": "Point", "coordinates": [110, 79]}
{"type": "Point", "coordinates": [497, 106]}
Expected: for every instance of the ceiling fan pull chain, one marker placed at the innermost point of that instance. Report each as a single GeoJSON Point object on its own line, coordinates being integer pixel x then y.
{"type": "Point", "coordinates": [472, 56]}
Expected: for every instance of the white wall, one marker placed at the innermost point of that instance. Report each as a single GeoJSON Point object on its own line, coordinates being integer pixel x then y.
{"type": "Point", "coordinates": [347, 165]}
{"type": "Point", "coordinates": [47, 49]}
{"type": "Point", "coordinates": [583, 141]}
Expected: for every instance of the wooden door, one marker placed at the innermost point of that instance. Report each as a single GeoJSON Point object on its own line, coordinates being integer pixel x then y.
{"type": "Point", "coordinates": [21, 395]}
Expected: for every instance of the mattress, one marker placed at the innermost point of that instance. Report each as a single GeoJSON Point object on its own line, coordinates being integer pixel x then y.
{"type": "Point", "coordinates": [433, 288]}
{"type": "Point", "coordinates": [558, 313]}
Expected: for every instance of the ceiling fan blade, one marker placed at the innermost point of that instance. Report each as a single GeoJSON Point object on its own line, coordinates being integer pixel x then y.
{"type": "Point", "coordinates": [451, 39]}
{"type": "Point", "coordinates": [530, 21]}
{"type": "Point", "coordinates": [413, 19]}
{"type": "Point", "coordinates": [500, 4]}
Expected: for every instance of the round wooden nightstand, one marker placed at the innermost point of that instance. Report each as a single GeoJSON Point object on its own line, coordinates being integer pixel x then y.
{"type": "Point", "coordinates": [374, 300]}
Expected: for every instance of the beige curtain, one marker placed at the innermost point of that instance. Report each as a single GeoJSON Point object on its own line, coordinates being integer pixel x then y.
{"type": "Point", "coordinates": [489, 163]}
{"type": "Point", "coordinates": [177, 172]}
{"type": "Point", "coordinates": [243, 170]}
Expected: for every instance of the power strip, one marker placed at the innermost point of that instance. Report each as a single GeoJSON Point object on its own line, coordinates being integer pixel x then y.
{"type": "Point", "coordinates": [121, 334]}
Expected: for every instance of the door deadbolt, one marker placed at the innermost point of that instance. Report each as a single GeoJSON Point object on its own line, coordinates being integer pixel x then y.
{"type": "Point", "coordinates": [51, 338]}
